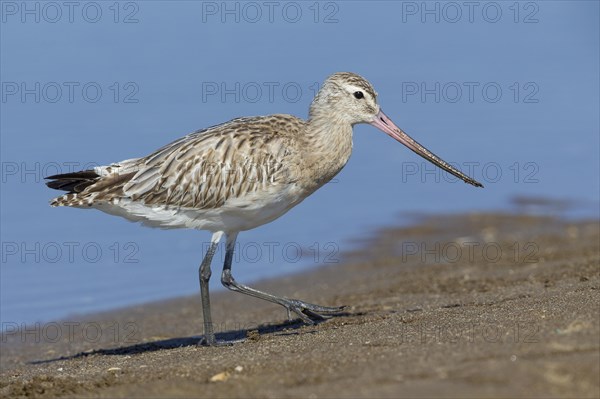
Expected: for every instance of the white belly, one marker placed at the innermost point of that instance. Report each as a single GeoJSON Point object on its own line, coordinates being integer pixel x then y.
{"type": "Point", "coordinates": [237, 214]}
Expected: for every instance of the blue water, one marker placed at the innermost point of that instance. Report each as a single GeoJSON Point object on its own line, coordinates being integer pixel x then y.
{"type": "Point", "coordinates": [510, 91]}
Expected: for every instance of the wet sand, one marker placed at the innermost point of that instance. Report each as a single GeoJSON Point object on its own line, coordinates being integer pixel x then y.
{"type": "Point", "coordinates": [482, 305]}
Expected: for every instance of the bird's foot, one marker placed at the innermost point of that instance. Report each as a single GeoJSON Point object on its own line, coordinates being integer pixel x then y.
{"type": "Point", "coordinates": [309, 312]}
{"type": "Point", "coordinates": [212, 341]}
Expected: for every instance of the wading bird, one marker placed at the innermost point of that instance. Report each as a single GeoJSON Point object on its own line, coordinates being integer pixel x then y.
{"type": "Point", "coordinates": [239, 175]}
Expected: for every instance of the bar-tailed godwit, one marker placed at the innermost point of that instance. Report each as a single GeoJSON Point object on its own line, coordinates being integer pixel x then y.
{"type": "Point", "coordinates": [239, 175]}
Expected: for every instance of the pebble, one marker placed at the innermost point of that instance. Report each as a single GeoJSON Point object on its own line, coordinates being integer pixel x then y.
{"type": "Point", "coordinates": [223, 376]}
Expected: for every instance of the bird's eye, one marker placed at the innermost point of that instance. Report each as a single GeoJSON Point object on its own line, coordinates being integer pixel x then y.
{"type": "Point", "coordinates": [358, 94]}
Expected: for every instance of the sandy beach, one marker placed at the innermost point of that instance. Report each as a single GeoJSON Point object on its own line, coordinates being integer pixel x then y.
{"type": "Point", "coordinates": [478, 305]}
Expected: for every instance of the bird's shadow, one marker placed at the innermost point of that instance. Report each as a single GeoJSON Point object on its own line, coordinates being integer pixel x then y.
{"type": "Point", "coordinates": [284, 328]}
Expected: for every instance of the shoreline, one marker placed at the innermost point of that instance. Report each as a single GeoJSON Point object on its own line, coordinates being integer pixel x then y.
{"type": "Point", "coordinates": [564, 210]}
{"type": "Point", "coordinates": [430, 313]}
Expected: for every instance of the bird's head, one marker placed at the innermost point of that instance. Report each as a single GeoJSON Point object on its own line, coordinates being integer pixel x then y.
{"type": "Point", "coordinates": [348, 98]}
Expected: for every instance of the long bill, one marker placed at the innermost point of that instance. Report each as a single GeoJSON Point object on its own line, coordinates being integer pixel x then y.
{"type": "Point", "coordinates": [385, 124]}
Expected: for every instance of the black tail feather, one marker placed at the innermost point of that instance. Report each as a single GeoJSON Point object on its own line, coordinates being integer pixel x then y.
{"type": "Point", "coordinates": [74, 182]}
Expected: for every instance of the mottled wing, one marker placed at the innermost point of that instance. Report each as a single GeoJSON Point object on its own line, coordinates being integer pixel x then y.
{"type": "Point", "coordinates": [205, 169]}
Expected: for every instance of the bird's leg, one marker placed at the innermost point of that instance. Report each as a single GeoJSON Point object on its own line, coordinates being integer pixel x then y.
{"type": "Point", "coordinates": [204, 274]}
{"type": "Point", "coordinates": [303, 309]}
